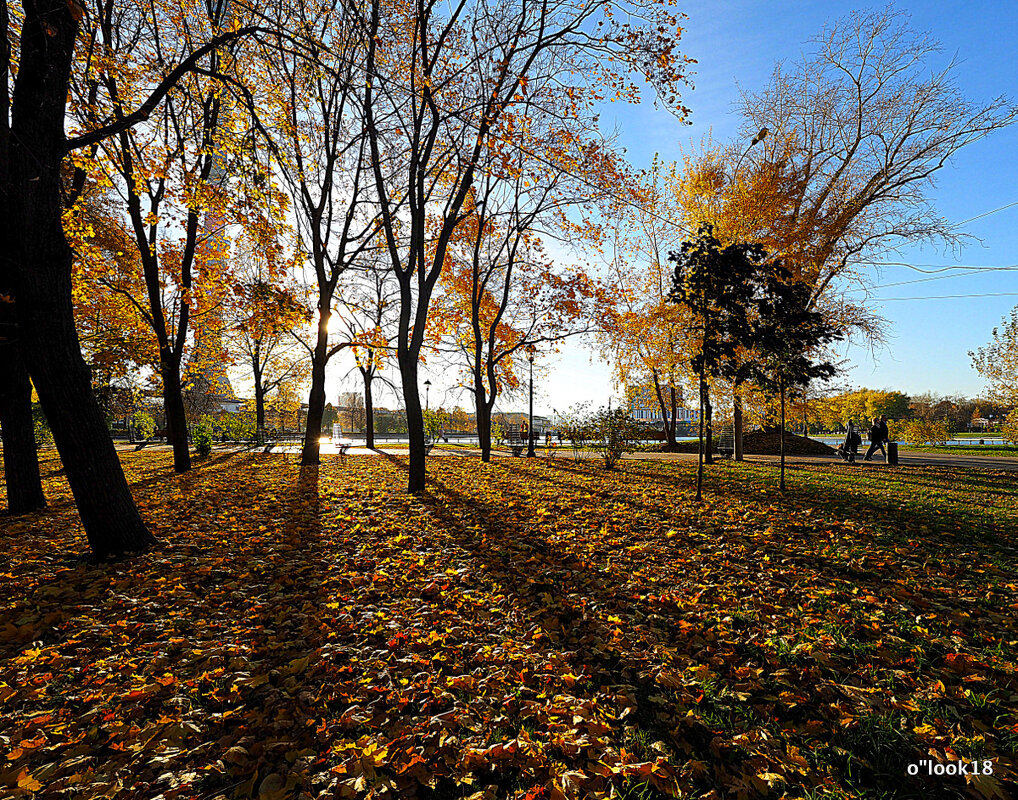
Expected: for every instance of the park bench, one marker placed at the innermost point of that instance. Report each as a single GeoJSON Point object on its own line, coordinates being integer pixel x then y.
{"type": "Point", "coordinates": [516, 443]}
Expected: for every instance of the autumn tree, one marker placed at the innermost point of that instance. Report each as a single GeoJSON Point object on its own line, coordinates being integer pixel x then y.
{"type": "Point", "coordinates": [858, 130]}
{"type": "Point", "coordinates": [310, 113]}
{"type": "Point", "coordinates": [116, 340]}
{"type": "Point", "coordinates": [441, 80]}
{"type": "Point", "coordinates": [644, 333]}
{"type": "Point", "coordinates": [501, 295]}
{"type": "Point", "coordinates": [40, 261]}
{"type": "Point", "coordinates": [997, 362]}
{"type": "Point", "coordinates": [365, 320]}
{"type": "Point", "coordinates": [263, 320]}
{"type": "Point", "coordinates": [171, 174]}
{"type": "Point", "coordinates": [788, 339]}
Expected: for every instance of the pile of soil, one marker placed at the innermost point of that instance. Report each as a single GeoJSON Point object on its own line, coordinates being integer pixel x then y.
{"type": "Point", "coordinates": [769, 444]}
{"type": "Point", "coordinates": [757, 443]}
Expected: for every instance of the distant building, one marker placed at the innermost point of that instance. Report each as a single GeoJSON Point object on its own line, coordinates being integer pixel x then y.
{"type": "Point", "coordinates": [645, 407]}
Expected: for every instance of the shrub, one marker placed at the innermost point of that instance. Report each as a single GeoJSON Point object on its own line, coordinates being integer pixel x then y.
{"type": "Point", "coordinates": [203, 434]}
{"type": "Point", "coordinates": [614, 433]}
{"type": "Point", "coordinates": [238, 427]}
{"type": "Point", "coordinates": [144, 424]}
{"type": "Point", "coordinates": [1010, 427]}
{"type": "Point", "coordinates": [575, 426]}
{"type": "Point", "coordinates": [920, 432]}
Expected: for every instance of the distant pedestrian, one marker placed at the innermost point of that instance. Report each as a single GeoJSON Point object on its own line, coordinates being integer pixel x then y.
{"type": "Point", "coordinates": [878, 432]}
{"type": "Point", "coordinates": [886, 431]}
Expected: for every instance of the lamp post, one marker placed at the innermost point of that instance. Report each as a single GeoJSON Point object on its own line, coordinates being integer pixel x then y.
{"type": "Point", "coordinates": [427, 392]}
{"type": "Point", "coordinates": [530, 424]}
{"type": "Point", "coordinates": [756, 140]}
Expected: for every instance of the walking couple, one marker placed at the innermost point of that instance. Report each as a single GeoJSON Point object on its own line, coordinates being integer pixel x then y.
{"type": "Point", "coordinates": [879, 435]}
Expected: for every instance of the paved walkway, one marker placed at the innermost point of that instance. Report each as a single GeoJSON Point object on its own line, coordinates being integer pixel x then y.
{"type": "Point", "coordinates": [904, 457]}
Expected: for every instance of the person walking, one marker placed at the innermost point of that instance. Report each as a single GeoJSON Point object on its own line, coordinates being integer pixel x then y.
{"type": "Point", "coordinates": [878, 432]}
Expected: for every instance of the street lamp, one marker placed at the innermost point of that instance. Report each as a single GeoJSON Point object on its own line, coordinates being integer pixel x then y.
{"type": "Point", "coordinates": [530, 428]}
{"type": "Point", "coordinates": [756, 140]}
{"type": "Point", "coordinates": [427, 392]}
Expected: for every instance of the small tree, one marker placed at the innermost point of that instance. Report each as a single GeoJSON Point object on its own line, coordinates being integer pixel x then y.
{"type": "Point", "coordinates": [716, 285]}
{"type": "Point", "coordinates": [997, 361]}
{"type": "Point", "coordinates": [786, 334]}
{"type": "Point", "coordinates": [144, 424]}
{"type": "Point", "coordinates": [203, 434]}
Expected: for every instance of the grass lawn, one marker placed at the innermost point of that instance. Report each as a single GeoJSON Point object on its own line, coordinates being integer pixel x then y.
{"type": "Point", "coordinates": [526, 628]}
{"type": "Point", "coordinates": [1008, 450]}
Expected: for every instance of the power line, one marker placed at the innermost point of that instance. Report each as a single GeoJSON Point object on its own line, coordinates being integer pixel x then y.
{"type": "Point", "coordinates": [942, 267]}
{"type": "Point", "coordinates": [946, 296]}
{"type": "Point", "coordinates": [969, 272]}
{"type": "Point", "coordinates": [984, 214]}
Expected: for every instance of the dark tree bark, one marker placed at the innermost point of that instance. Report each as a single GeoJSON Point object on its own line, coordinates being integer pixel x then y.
{"type": "Point", "coordinates": [21, 462]}
{"type": "Point", "coordinates": [259, 406]}
{"type": "Point", "coordinates": [173, 405]}
{"type": "Point", "coordinates": [42, 260]}
{"type": "Point", "coordinates": [310, 453]}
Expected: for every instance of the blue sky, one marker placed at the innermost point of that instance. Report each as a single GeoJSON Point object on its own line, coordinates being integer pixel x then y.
{"type": "Point", "coordinates": [736, 43]}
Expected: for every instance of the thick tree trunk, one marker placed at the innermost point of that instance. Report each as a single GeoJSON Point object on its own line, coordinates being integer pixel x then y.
{"type": "Point", "coordinates": [417, 472]}
{"type": "Point", "coordinates": [21, 462]}
{"type": "Point", "coordinates": [369, 411]}
{"type": "Point", "coordinates": [42, 261]}
{"type": "Point", "coordinates": [483, 416]}
{"type": "Point", "coordinates": [737, 422]}
{"type": "Point", "coordinates": [310, 454]}
{"type": "Point", "coordinates": [176, 418]}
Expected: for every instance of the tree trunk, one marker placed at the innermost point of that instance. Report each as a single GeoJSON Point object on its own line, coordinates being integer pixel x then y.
{"type": "Point", "coordinates": [259, 390]}
{"type": "Point", "coordinates": [708, 438]}
{"type": "Point", "coordinates": [669, 429]}
{"type": "Point", "coordinates": [310, 454]}
{"type": "Point", "coordinates": [672, 426]}
{"type": "Point", "coordinates": [42, 261]}
{"type": "Point", "coordinates": [173, 405]}
{"type": "Point", "coordinates": [369, 410]}
{"type": "Point", "coordinates": [781, 389]}
{"type": "Point", "coordinates": [21, 461]}
{"type": "Point", "coordinates": [483, 416]}
{"type": "Point", "coordinates": [737, 422]}
{"type": "Point", "coordinates": [699, 464]}
{"type": "Point", "coordinates": [416, 474]}
{"type": "Point", "coordinates": [259, 410]}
